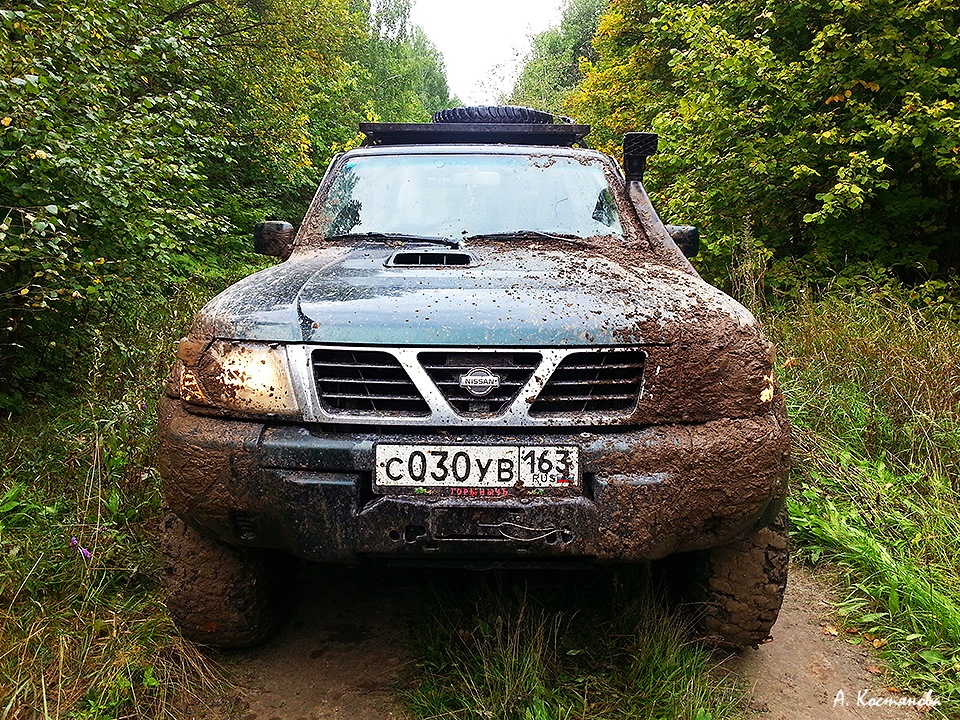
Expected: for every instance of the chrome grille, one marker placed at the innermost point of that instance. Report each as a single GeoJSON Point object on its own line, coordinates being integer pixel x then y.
{"type": "Point", "coordinates": [358, 382]}
{"type": "Point", "coordinates": [593, 382]}
{"type": "Point", "coordinates": [446, 369]}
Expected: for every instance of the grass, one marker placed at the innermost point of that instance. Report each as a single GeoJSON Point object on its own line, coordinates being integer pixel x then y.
{"type": "Point", "coordinates": [83, 633]}
{"type": "Point", "coordinates": [873, 385]}
{"type": "Point", "coordinates": [569, 646]}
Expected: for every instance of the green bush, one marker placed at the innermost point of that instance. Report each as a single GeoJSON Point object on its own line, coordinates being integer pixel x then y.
{"type": "Point", "coordinates": [140, 141]}
{"type": "Point", "coordinates": [823, 135]}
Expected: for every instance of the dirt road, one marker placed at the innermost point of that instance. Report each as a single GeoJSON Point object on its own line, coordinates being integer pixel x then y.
{"type": "Point", "coordinates": [344, 645]}
{"type": "Point", "coordinates": [800, 673]}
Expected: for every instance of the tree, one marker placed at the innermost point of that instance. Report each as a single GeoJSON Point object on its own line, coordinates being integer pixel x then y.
{"type": "Point", "coordinates": [552, 70]}
{"type": "Point", "coordinates": [823, 133]}
{"type": "Point", "coordinates": [405, 78]}
{"type": "Point", "coordinates": [141, 139]}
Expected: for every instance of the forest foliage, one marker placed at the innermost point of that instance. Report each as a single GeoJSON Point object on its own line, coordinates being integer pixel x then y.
{"type": "Point", "coordinates": [140, 141]}
{"type": "Point", "coordinates": [551, 70]}
{"type": "Point", "coordinates": [821, 138]}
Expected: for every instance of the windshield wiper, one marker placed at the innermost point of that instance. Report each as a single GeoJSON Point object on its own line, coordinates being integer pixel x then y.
{"type": "Point", "coordinates": [400, 237]}
{"type": "Point", "coordinates": [529, 235]}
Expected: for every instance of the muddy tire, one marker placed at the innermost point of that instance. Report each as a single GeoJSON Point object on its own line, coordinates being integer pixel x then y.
{"type": "Point", "coordinates": [222, 595]}
{"type": "Point", "coordinates": [734, 592]}
{"type": "Point", "coordinates": [493, 114]}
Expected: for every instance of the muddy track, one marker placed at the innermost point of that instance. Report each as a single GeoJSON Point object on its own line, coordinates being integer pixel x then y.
{"type": "Point", "coordinates": [798, 674]}
{"type": "Point", "coordinates": [338, 655]}
{"type": "Point", "coordinates": [344, 645]}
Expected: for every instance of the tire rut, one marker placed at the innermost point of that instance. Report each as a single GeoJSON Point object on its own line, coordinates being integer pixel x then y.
{"type": "Point", "coordinates": [338, 655]}
{"type": "Point", "coordinates": [342, 650]}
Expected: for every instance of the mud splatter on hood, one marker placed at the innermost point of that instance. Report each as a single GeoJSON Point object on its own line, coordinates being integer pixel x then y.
{"type": "Point", "coordinates": [515, 296]}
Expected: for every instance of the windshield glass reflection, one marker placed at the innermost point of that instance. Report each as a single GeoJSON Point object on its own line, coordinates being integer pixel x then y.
{"type": "Point", "coordinates": [455, 196]}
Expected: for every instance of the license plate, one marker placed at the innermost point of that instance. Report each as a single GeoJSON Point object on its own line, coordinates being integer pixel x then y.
{"type": "Point", "coordinates": [493, 468]}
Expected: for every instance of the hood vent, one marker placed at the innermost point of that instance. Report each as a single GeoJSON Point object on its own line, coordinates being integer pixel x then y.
{"type": "Point", "coordinates": [432, 258]}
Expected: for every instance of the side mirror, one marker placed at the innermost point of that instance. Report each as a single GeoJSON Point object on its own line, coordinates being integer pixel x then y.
{"type": "Point", "coordinates": [687, 238]}
{"type": "Point", "coordinates": [273, 238]}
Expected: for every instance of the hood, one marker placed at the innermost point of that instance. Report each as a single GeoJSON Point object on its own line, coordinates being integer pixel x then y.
{"type": "Point", "coordinates": [515, 295]}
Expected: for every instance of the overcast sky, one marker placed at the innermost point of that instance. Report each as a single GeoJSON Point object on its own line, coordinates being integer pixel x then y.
{"type": "Point", "coordinates": [483, 41]}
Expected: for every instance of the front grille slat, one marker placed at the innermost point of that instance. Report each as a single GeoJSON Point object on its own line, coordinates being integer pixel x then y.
{"type": "Point", "coordinates": [596, 398]}
{"type": "Point", "coordinates": [513, 369]}
{"type": "Point", "coordinates": [359, 397]}
{"type": "Point", "coordinates": [346, 367]}
{"type": "Point", "coordinates": [612, 366]}
{"type": "Point", "coordinates": [365, 382]}
{"type": "Point", "coordinates": [593, 382]}
{"type": "Point", "coordinates": [578, 383]}
{"type": "Point", "coordinates": [370, 381]}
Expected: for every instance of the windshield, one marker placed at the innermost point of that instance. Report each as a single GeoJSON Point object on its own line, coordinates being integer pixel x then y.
{"type": "Point", "coordinates": [455, 196]}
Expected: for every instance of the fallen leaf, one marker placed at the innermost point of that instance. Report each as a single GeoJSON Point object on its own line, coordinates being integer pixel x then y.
{"type": "Point", "coordinates": [879, 642]}
{"type": "Point", "coordinates": [830, 630]}
{"type": "Point", "coordinates": [893, 689]}
{"type": "Point", "coordinates": [874, 670]}
{"type": "Point", "coordinates": [852, 631]}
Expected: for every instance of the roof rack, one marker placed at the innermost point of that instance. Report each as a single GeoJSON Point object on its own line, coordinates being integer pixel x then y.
{"type": "Point", "coordinates": [472, 133]}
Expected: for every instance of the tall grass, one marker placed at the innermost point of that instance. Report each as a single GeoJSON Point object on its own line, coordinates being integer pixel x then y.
{"type": "Point", "coordinates": [83, 633]}
{"type": "Point", "coordinates": [873, 385]}
{"type": "Point", "coordinates": [580, 646]}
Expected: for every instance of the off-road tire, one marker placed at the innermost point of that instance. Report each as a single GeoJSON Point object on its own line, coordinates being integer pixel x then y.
{"type": "Point", "coordinates": [493, 114]}
{"type": "Point", "coordinates": [735, 591]}
{"type": "Point", "coordinates": [222, 595]}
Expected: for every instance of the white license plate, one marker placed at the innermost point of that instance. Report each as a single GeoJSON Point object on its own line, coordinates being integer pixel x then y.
{"type": "Point", "coordinates": [500, 467]}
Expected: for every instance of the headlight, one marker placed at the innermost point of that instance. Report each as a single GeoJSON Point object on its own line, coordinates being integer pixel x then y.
{"type": "Point", "coordinates": [242, 377]}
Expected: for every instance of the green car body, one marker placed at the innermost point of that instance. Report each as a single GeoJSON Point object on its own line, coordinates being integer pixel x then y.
{"type": "Point", "coordinates": [478, 353]}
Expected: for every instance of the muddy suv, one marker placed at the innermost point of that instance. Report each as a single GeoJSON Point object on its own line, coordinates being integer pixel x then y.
{"type": "Point", "coordinates": [482, 347]}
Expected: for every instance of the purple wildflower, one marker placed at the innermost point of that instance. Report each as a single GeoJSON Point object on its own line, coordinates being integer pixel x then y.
{"type": "Point", "coordinates": [82, 550]}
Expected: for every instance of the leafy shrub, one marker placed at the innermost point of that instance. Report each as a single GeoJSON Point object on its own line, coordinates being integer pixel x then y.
{"type": "Point", "coordinates": [139, 142]}
{"type": "Point", "coordinates": [825, 134]}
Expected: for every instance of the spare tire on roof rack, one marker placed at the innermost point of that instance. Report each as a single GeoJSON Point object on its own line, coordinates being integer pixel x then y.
{"type": "Point", "coordinates": [480, 125]}
{"type": "Point", "coordinates": [493, 114]}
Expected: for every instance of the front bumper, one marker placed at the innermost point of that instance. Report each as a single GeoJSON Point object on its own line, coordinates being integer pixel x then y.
{"type": "Point", "coordinates": [648, 492]}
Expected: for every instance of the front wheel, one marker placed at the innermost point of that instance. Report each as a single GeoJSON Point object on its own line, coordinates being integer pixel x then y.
{"type": "Point", "coordinates": [222, 595]}
{"type": "Point", "coordinates": [735, 591]}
